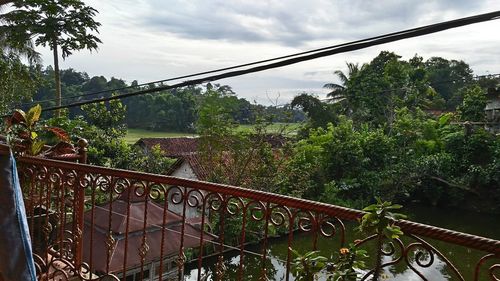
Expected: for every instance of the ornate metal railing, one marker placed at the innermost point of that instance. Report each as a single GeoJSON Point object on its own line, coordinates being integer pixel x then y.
{"type": "Point", "coordinates": [90, 223]}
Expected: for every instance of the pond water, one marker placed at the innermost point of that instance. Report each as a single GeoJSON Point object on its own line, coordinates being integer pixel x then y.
{"type": "Point", "coordinates": [433, 269]}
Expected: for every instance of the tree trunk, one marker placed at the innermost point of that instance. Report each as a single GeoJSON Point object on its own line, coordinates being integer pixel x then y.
{"type": "Point", "coordinates": [57, 76]}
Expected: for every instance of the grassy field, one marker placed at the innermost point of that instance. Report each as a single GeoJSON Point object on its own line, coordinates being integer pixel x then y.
{"type": "Point", "coordinates": [287, 128]}
{"type": "Point", "coordinates": [133, 135]}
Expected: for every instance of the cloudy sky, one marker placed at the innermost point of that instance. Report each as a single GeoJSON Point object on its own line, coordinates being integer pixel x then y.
{"type": "Point", "coordinates": [148, 40]}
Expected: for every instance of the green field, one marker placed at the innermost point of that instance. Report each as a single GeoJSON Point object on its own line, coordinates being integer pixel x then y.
{"type": "Point", "coordinates": [133, 135]}
{"type": "Point", "coordinates": [286, 128]}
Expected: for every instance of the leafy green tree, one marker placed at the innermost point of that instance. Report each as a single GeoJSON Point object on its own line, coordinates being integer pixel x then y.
{"type": "Point", "coordinates": [338, 90]}
{"type": "Point", "coordinates": [319, 113]}
{"type": "Point", "coordinates": [473, 105]}
{"type": "Point", "coordinates": [17, 81]}
{"type": "Point", "coordinates": [234, 157]}
{"type": "Point", "coordinates": [59, 24]}
{"type": "Point", "coordinates": [109, 117]}
{"type": "Point", "coordinates": [448, 78]}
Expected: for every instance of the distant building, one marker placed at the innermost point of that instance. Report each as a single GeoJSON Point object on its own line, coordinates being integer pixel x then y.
{"type": "Point", "coordinates": [492, 110]}
{"type": "Point", "coordinates": [189, 164]}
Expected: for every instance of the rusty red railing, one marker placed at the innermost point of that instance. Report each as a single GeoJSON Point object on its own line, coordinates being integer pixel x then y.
{"type": "Point", "coordinates": [93, 223]}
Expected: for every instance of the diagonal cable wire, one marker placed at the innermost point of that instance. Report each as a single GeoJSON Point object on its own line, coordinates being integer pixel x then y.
{"type": "Point", "coordinates": [342, 48]}
{"type": "Point", "coordinates": [242, 65]}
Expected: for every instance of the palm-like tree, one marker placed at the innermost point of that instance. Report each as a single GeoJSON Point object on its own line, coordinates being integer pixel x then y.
{"type": "Point", "coordinates": [338, 91]}
{"type": "Point", "coordinates": [15, 41]}
{"type": "Point", "coordinates": [15, 44]}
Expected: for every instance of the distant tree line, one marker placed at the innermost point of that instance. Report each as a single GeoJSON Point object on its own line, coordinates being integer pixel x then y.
{"type": "Point", "coordinates": [172, 110]}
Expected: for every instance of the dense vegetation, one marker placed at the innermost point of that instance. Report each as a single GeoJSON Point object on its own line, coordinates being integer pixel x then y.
{"type": "Point", "coordinates": [378, 137]}
{"type": "Point", "coordinates": [173, 110]}
{"type": "Point", "coordinates": [396, 129]}
{"type": "Point", "coordinates": [378, 134]}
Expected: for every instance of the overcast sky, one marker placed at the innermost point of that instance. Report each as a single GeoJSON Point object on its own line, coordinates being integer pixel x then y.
{"type": "Point", "coordinates": [148, 40]}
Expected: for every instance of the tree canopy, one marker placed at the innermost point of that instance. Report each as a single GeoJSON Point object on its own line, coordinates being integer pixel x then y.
{"type": "Point", "coordinates": [60, 24]}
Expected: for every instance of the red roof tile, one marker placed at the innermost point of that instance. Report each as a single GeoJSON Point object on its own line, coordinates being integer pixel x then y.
{"type": "Point", "coordinates": [119, 209]}
{"type": "Point", "coordinates": [172, 147]}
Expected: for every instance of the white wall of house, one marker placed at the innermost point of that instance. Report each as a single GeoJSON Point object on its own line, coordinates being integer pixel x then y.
{"type": "Point", "coordinates": [493, 114]}
{"type": "Point", "coordinates": [184, 171]}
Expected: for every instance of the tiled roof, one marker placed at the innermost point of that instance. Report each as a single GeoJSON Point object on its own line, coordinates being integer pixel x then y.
{"type": "Point", "coordinates": [194, 162]}
{"type": "Point", "coordinates": [172, 147]}
{"type": "Point", "coordinates": [177, 147]}
{"type": "Point", "coordinates": [134, 225]}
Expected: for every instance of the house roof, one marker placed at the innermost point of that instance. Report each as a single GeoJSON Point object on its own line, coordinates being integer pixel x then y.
{"type": "Point", "coordinates": [194, 161]}
{"type": "Point", "coordinates": [182, 146]}
{"type": "Point", "coordinates": [172, 147]}
{"type": "Point", "coordinates": [136, 212]}
{"type": "Point", "coordinates": [96, 237]}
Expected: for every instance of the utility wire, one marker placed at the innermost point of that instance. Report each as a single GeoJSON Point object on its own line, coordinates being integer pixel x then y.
{"type": "Point", "coordinates": [342, 48]}
{"type": "Point", "coordinates": [239, 66]}
{"type": "Point", "coordinates": [442, 82]}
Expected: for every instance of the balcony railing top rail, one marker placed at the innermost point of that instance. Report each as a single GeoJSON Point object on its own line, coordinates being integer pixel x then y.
{"type": "Point", "coordinates": [455, 237]}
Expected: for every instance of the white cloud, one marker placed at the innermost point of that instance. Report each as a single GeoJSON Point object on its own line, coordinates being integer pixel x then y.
{"type": "Point", "coordinates": [151, 39]}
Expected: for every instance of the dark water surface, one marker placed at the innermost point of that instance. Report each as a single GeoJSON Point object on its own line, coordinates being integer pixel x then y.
{"type": "Point", "coordinates": [433, 267]}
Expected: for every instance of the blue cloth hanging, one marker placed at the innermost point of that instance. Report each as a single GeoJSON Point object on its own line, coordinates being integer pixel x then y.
{"type": "Point", "coordinates": [16, 257]}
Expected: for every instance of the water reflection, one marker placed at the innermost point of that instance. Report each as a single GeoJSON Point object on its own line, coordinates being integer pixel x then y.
{"type": "Point", "coordinates": [430, 265]}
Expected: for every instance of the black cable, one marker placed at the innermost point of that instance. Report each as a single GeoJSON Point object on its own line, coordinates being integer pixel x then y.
{"type": "Point", "coordinates": [348, 47]}
{"type": "Point", "coordinates": [230, 67]}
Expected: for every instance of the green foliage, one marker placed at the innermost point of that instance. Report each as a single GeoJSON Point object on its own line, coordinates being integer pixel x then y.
{"type": "Point", "coordinates": [380, 219]}
{"type": "Point", "coordinates": [242, 158]}
{"type": "Point", "coordinates": [17, 82]}
{"type": "Point", "coordinates": [58, 24]}
{"type": "Point", "coordinates": [344, 266]}
{"type": "Point", "coordinates": [305, 267]}
{"type": "Point", "coordinates": [383, 143]}
{"type": "Point", "coordinates": [107, 147]}
{"type": "Point", "coordinates": [441, 70]}
{"type": "Point", "coordinates": [318, 113]}
{"type": "Point", "coordinates": [63, 23]}
{"type": "Point", "coordinates": [24, 131]}
{"type": "Point", "coordinates": [109, 117]}
{"type": "Point", "coordinates": [472, 107]}
{"type": "Point", "coordinates": [348, 263]}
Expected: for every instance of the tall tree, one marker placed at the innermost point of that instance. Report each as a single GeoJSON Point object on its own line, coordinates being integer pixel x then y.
{"type": "Point", "coordinates": [59, 24]}
{"type": "Point", "coordinates": [16, 79]}
{"type": "Point", "coordinates": [338, 90]}
{"type": "Point", "coordinates": [449, 78]}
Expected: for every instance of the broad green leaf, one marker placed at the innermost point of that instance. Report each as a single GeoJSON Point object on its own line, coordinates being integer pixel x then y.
{"type": "Point", "coordinates": [370, 208]}
{"type": "Point", "coordinates": [36, 147]}
{"type": "Point", "coordinates": [34, 114]}
{"type": "Point", "coordinates": [395, 206]}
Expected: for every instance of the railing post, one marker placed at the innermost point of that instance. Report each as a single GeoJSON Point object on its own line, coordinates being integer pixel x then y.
{"type": "Point", "coordinates": [82, 150]}
{"type": "Point", "coordinates": [79, 207]}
